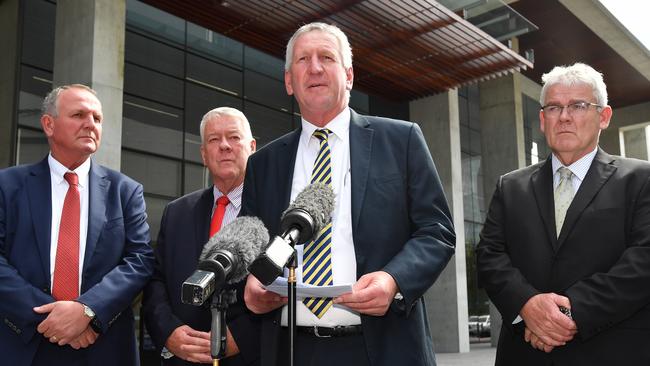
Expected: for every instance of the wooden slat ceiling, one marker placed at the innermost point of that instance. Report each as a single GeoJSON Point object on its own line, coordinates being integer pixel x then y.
{"type": "Point", "coordinates": [403, 50]}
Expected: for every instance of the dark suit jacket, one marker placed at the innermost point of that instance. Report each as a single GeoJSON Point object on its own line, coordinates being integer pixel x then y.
{"type": "Point", "coordinates": [184, 230]}
{"type": "Point", "coordinates": [400, 220]}
{"type": "Point", "coordinates": [601, 261]}
{"type": "Point", "coordinates": [118, 262]}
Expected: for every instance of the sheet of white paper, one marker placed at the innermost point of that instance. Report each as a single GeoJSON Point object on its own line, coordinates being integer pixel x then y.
{"type": "Point", "coordinates": [279, 286]}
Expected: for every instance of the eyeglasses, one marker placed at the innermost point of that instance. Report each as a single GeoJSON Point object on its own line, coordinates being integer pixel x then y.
{"type": "Point", "coordinates": [576, 109]}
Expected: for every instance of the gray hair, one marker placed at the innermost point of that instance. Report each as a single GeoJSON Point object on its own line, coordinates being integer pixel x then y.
{"type": "Point", "coordinates": [341, 38]}
{"type": "Point", "coordinates": [230, 112]}
{"type": "Point", "coordinates": [576, 74]}
{"type": "Point", "coordinates": [49, 105]}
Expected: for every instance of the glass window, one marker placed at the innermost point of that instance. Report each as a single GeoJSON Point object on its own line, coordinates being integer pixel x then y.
{"type": "Point", "coordinates": [34, 85]}
{"type": "Point", "coordinates": [152, 127]}
{"type": "Point", "coordinates": [32, 146]}
{"type": "Point", "coordinates": [214, 75]}
{"type": "Point", "coordinates": [155, 22]}
{"type": "Point", "coordinates": [264, 63]}
{"type": "Point", "coordinates": [196, 177]}
{"type": "Point", "coordinates": [38, 34]}
{"type": "Point", "coordinates": [266, 90]}
{"type": "Point", "coordinates": [158, 175]}
{"type": "Point", "coordinates": [267, 124]}
{"type": "Point", "coordinates": [212, 44]}
{"type": "Point", "coordinates": [153, 85]}
{"type": "Point", "coordinates": [155, 55]}
{"type": "Point", "coordinates": [155, 207]}
{"type": "Point", "coordinates": [199, 101]}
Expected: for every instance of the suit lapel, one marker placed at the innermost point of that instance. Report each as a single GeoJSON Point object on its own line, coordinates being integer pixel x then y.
{"type": "Point", "coordinates": [600, 171]}
{"type": "Point", "coordinates": [202, 217]}
{"type": "Point", "coordinates": [542, 181]}
{"type": "Point", "coordinates": [98, 186]}
{"type": "Point", "coordinates": [360, 151]}
{"type": "Point", "coordinates": [287, 153]}
{"type": "Point", "coordinates": [39, 192]}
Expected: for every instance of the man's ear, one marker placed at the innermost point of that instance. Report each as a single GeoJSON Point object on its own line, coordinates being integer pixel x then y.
{"type": "Point", "coordinates": [47, 124]}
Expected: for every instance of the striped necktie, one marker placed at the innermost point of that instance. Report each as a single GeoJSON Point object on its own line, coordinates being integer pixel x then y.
{"type": "Point", "coordinates": [317, 256]}
{"type": "Point", "coordinates": [563, 196]}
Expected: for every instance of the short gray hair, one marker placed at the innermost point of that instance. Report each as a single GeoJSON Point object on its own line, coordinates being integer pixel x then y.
{"type": "Point", "coordinates": [226, 111]}
{"type": "Point", "coordinates": [336, 32]}
{"type": "Point", "coordinates": [575, 74]}
{"type": "Point", "coordinates": [49, 105]}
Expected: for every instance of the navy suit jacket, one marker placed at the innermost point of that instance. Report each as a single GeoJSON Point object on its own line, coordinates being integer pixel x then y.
{"type": "Point", "coordinates": [184, 230]}
{"type": "Point", "coordinates": [118, 262]}
{"type": "Point", "coordinates": [600, 261]}
{"type": "Point", "coordinates": [400, 220]}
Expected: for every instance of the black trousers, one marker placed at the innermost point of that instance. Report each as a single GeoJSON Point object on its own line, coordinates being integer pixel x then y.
{"type": "Point", "coordinates": [310, 350]}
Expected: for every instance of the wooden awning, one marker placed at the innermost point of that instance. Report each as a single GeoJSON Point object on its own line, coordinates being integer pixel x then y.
{"type": "Point", "coordinates": [403, 50]}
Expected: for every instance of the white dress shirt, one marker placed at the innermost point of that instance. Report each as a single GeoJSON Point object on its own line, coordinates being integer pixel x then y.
{"type": "Point", "coordinates": [579, 169]}
{"type": "Point", "coordinates": [59, 189]}
{"type": "Point", "coordinates": [344, 264]}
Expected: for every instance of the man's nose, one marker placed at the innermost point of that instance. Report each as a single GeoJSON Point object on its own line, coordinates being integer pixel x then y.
{"type": "Point", "coordinates": [315, 65]}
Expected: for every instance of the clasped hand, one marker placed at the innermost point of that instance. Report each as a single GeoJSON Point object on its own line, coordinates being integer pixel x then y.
{"type": "Point", "coordinates": [546, 326]}
{"type": "Point", "coordinates": [66, 324]}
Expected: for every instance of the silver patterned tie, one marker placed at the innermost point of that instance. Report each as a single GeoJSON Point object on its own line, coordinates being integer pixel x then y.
{"type": "Point", "coordinates": [563, 196]}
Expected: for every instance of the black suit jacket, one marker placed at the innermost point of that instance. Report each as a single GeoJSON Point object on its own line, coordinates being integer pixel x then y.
{"type": "Point", "coordinates": [400, 220]}
{"type": "Point", "coordinates": [184, 230]}
{"type": "Point", "coordinates": [601, 261]}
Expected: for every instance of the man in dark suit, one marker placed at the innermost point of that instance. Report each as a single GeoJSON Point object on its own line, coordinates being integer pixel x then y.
{"type": "Point", "coordinates": [565, 250]}
{"type": "Point", "coordinates": [391, 232]}
{"type": "Point", "coordinates": [74, 246]}
{"type": "Point", "coordinates": [181, 331]}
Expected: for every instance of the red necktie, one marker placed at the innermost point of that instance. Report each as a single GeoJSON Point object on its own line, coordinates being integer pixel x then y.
{"type": "Point", "coordinates": [217, 218]}
{"type": "Point", "coordinates": [66, 267]}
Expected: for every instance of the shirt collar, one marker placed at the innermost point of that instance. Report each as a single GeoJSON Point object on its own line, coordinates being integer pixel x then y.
{"type": "Point", "coordinates": [234, 196]}
{"type": "Point", "coordinates": [339, 125]}
{"type": "Point", "coordinates": [579, 168]}
{"type": "Point", "coordinates": [58, 170]}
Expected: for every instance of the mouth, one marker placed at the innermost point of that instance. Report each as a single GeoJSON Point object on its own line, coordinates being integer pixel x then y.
{"type": "Point", "coordinates": [316, 85]}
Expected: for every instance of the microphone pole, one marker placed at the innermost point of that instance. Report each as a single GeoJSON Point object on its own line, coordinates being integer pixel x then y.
{"type": "Point", "coordinates": [293, 234]}
{"type": "Point", "coordinates": [218, 331]}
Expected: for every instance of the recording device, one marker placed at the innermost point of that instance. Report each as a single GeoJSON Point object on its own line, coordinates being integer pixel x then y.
{"type": "Point", "coordinates": [224, 259]}
{"type": "Point", "coordinates": [300, 223]}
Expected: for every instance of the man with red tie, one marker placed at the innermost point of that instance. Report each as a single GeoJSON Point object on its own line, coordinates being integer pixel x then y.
{"type": "Point", "coordinates": [181, 331]}
{"type": "Point", "coordinates": [74, 246]}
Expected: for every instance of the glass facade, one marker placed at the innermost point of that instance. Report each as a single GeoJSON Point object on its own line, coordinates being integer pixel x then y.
{"type": "Point", "coordinates": [473, 195]}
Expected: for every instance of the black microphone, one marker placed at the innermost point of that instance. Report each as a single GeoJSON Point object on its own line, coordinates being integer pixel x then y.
{"type": "Point", "coordinates": [225, 258]}
{"type": "Point", "coordinates": [300, 223]}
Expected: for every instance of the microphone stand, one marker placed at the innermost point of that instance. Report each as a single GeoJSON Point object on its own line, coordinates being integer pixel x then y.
{"type": "Point", "coordinates": [291, 304]}
{"type": "Point", "coordinates": [218, 332]}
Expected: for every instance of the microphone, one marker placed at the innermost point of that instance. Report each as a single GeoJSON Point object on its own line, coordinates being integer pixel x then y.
{"type": "Point", "coordinates": [225, 258]}
{"type": "Point", "coordinates": [300, 223]}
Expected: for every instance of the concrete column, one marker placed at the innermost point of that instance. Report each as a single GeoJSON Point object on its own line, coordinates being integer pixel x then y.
{"type": "Point", "coordinates": [9, 36]}
{"type": "Point", "coordinates": [502, 143]}
{"type": "Point", "coordinates": [89, 49]}
{"type": "Point", "coordinates": [446, 301]}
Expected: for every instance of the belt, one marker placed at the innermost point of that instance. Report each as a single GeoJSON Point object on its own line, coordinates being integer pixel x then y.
{"type": "Point", "coordinates": [327, 332]}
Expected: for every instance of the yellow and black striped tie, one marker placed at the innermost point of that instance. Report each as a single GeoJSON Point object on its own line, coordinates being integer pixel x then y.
{"type": "Point", "coordinates": [317, 256]}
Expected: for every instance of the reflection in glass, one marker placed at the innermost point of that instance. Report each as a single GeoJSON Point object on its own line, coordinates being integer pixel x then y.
{"type": "Point", "coordinates": [158, 175]}
{"type": "Point", "coordinates": [155, 22]}
{"type": "Point", "coordinates": [32, 146]}
{"type": "Point", "coordinates": [213, 44]}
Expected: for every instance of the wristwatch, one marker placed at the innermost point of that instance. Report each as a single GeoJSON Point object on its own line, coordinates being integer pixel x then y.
{"type": "Point", "coordinates": [94, 322]}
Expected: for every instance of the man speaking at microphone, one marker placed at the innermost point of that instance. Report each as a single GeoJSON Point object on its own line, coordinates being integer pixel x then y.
{"type": "Point", "coordinates": [181, 331]}
{"type": "Point", "coordinates": [390, 233]}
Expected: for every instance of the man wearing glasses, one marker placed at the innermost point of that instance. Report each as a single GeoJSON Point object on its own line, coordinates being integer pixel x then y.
{"type": "Point", "coordinates": [565, 249]}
